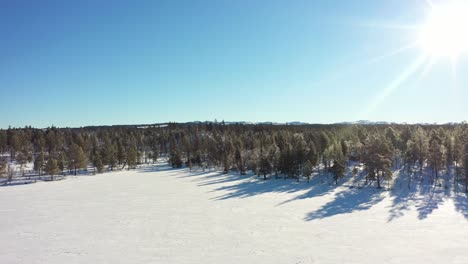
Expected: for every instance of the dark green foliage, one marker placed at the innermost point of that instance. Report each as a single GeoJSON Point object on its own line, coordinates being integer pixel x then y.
{"type": "Point", "coordinates": [465, 164]}
{"type": "Point", "coordinates": [76, 158]}
{"type": "Point", "coordinates": [437, 153]}
{"type": "Point", "coordinates": [132, 157]}
{"type": "Point", "coordinates": [338, 169]}
{"type": "Point", "coordinates": [155, 153]}
{"type": "Point", "coordinates": [308, 170]}
{"type": "Point", "coordinates": [51, 167]}
{"type": "Point", "coordinates": [267, 150]}
{"type": "Point", "coordinates": [39, 163]}
{"type": "Point", "coordinates": [3, 166]}
{"type": "Point", "coordinates": [378, 158]}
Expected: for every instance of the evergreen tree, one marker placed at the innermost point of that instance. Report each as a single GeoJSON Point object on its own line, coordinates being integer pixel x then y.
{"type": "Point", "coordinates": [97, 159]}
{"type": "Point", "coordinates": [308, 170]}
{"type": "Point", "coordinates": [3, 141]}
{"type": "Point", "coordinates": [61, 161]}
{"type": "Point", "coordinates": [39, 163]}
{"type": "Point", "coordinates": [344, 148]}
{"type": "Point", "coordinates": [338, 169]}
{"type": "Point", "coordinates": [22, 158]}
{"type": "Point", "coordinates": [76, 158]}
{"type": "Point", "coordinates": [155, 153]}
{"type": "Point", "coordinates": [3, 166]}
{"type": "Point", "coordinates": [436, 153]}
{"type": "Point", "coordinates": [274, 158]}
{"type": "Point", "coordinates": [239, 157]}
{"type": "Point", "coordinates": [265, 167]}
{"type": "Point", "coordinates": [121, 154]}
{"type": "Point", "coordinates": [465, 164]}
{"type": "Point", "coordinates": [355, 173]}
{"type": "Point", "coordinates": [109, 154]}
{"type": "Point", "coordinates": [51, 167]}
{"type": "Point", "coordinates": [377, 158]}
{"type": "Point", "coordinates": [422, 146]}
{"type": "Point", "coordinates": [188, 150]}
{"type": "Point", "coordinates": [132, 157]}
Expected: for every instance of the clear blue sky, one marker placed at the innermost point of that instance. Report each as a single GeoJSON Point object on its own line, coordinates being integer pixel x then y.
{"type": "Point", "coordinates": [75, 63]}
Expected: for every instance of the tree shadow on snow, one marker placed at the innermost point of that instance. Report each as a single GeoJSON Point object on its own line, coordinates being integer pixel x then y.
{"type": "Point", "coordinates": [431, 198]}
{"type": "Point", "coordinates": [244, 186]}
{"type": "Point", "coordinates": [156, 167]}
{"type": "Point", "coordinates": [461, 204]}
{"type": "Point", "coordinates": [256, 186]}
{"type": "Point", "coordinates": [402, 203]}
{"type": "Point", "coordinates": [348, 201]}
{"type": "Point", "coordinates": [404, 193]}
{"type": "Point", "coordinates": [318, 186]}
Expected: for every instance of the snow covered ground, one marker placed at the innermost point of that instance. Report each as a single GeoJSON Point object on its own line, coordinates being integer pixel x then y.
{"type": "Point", "coordinates": [161, 215]}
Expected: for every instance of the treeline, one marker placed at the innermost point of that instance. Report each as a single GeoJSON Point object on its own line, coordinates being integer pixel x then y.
{"type": "Point", "coordinates": [267, 150]}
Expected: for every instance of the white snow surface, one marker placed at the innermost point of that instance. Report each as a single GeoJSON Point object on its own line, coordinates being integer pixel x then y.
{"type": "Point", "coordinates": [161, 215]}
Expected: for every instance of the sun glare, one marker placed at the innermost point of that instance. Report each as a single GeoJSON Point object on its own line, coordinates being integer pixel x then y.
{"type": "Point", "coordinates": [445, 33]}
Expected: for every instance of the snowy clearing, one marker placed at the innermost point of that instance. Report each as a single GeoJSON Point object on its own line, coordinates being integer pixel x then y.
{"type": "Point", "coordinates": [161, 215]}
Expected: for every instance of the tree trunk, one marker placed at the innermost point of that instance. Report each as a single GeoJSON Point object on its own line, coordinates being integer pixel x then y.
{"type": "Point", "coordinates": [378, 180]}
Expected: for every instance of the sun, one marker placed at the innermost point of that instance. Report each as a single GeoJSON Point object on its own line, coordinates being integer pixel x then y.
{"type": "Point", "coordinates": [445, 33]}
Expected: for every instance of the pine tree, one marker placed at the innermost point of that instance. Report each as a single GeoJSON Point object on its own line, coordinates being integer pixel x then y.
{"type": "Point", "coordinates": [3, 141]}
{"type": "Point", "coordinates": [39, 163]}
{"type": "Point", "coordinates": [421, 147]}
{"type": "Point", "coordinates": [3, 166]}
{"type": "Point", "coordinates": [324, 147]}
{"type": "Point", "coordinates": [51, 167]}
{"type": "Point", "coordinates": [465, 164]}
{"type": "Point", "coordinates": [308, 170]}
{"type": "Point", "coordinates": [97, 159]}
{"type": "Point", "coordinates": [155, 153]}
{"type": "Point", "coordinates": [61, 161]}
{"type": "Point", "coordinates": [187, 146]}
{"type": "Point", "coordinates": [274, 157]}
{"type": "Point", "coordinates": [436, 153]}
{"type": "Point", "coordinates": [22, 158]}
{"type": "Point", "coordinates": [355, 173]}
{"type": "Point", "coordinates": [226, 162]}
{"type": "Point", "coordinates": [265, 167]}
{"type": "Point", "coordinates": [239, 157]}
{"type": "Point", "coordinates": [312, 154]}
{"type": "Point", "coordinates": [77, 158]}
{"type": "Point", "coordinates": [121, 155]}
{"type": "Point", "coordinates": [338, 169]}
{"type": "Point", "coordinates": [344, 148]}
{"type": "Point", "coordinates": [109, 154]}
{"type": "Point", "coordinates": [132, 157]}
{"type": "Point", "coordinates": [378, 158]}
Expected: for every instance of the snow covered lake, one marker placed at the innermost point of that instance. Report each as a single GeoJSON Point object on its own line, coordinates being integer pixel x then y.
{"type": "Point", "coordinates": [161, 215]}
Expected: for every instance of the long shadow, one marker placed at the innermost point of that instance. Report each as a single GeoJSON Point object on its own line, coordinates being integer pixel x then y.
{"type": "Point", "coordinates": [404, 195]}
{"type": "Point", "coordinates": [255, 186]}
{"type": "Point", "coordinates": [432, 198]}
{"type": "Point", "coordinates": [30, 180]}
{"type": "Point", "coordinates": [204, 176]}
{"type": "Point", "coordinates": [155, 168]}
{"type": "Point", "coordinates": [422, 194]}
{"type": "Point", "coordinates": [461, 204]}
{"type": "Point", "coordinates": [241, 186]}
{"type": "Point", "coordinates": [220, 178]}
{"type": "Point", "coordinates": [348, 201]}
{"type": "Point", "coordinates": [316, 187]}
{"type": "Point", "coordinates": [401, 203]}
